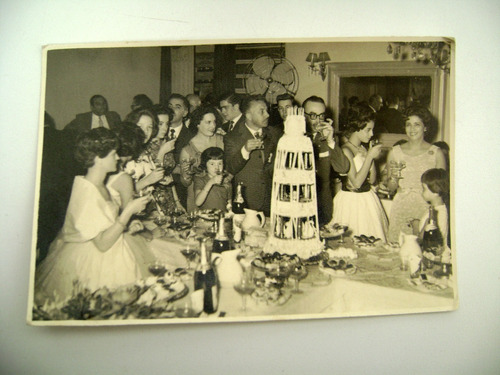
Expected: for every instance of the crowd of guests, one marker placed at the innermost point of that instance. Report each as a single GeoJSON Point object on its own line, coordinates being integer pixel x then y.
{"type": "Point", "coordinates": [100, 172]}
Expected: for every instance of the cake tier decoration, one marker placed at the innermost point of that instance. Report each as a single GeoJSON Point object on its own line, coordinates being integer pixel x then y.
{"type": "Point", "coordinates": [294, 211]}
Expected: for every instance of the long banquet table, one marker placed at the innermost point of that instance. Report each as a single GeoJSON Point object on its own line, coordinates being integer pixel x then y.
{"type": "Point", "coordinates": [378, 287]}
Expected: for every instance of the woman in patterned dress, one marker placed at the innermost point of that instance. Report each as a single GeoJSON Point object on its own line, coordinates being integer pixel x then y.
{"type": "Point", "coordinates": [418, 156]}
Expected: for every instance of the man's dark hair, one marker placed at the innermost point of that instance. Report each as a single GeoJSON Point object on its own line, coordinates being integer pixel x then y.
{"type": "Point", "coordinates": [248, 100]}
{"type": "Point", "coordinates": [231, 98]}
{"type": "Point", "coordinates": [313, 99]}
{"type": "Point", "coordinates": [285, 97]}
{"type": "Point", "coordinates": [94, 97]}
{"type": "Point", "coordinates": [181, 97]}
{"type": "Point", "coordinates": [392, 100]}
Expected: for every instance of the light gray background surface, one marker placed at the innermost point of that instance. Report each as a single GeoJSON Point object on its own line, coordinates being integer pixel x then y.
{"type": "Point", "coordinates": [458, 342]}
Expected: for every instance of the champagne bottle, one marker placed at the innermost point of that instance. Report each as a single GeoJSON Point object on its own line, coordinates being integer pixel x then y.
{"type": "Point", "coordinates": [239, 201]}
{"type": "Point", "coordinates": [221, 241]}
{"type": "Point", "coordinates": [432, 242]}
{"type": "Point", "coordinates": [205, 279]}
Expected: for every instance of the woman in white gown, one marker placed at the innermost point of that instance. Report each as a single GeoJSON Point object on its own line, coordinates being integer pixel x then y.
{"type": "Point", "coordinates": [91, 248]}
{"type": "Point", "coordinates": [357, 205]}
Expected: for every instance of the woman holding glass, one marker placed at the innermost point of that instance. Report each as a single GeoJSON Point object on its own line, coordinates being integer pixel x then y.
{"type": "Point", "coordinates": [205, 120]}
{"type": "Point", "coordinates": [143, 170]}
{"type": "Point", "coordinates": [356, 205]}
{"type": "Point", "coordinates": [91, 248]}
{"type": "Point", "coordinates": [405, 165]}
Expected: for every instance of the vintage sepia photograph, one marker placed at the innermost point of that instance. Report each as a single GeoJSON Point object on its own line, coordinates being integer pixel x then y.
{"type": "Point", "coordinates": [249, 180]}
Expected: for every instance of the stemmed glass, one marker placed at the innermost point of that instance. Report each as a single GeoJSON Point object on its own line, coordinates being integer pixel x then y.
{"type": "Point", "coordinates": [157, 268]}
{"type": "Point", "coordinates": [299, 272]}
{"type": "Point", "coordinates": [344, 229]}
{"type": "Point", "coordinates": [245, 287]}
{"type": "Point", "coordinates": [190, 255]}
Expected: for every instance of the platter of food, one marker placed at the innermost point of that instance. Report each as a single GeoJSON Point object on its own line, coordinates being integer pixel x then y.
{"type": "Point", "coordinates": [337, 267]}
{"type": "Point", "coordinates": [366, 241]}
{"type": "Point", "coordinates": [331, 231]}
{"type": "Point", "coordinates": [209, 215]}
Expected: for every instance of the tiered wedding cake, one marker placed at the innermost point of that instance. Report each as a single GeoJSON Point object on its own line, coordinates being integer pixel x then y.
{"type": "Point", "coordinates": [294, 213]}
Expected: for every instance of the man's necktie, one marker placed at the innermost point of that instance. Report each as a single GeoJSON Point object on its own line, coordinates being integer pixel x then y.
{"type": "Point", "coordinates": [172, 134]}
{"type": "Point", "coordinates": [101, 123]}
{"type": "Point", "coordinates": [231, 125]}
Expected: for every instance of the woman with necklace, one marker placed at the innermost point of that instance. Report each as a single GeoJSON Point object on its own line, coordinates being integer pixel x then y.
{"type": "Point", "coordinates": [206, 120]}
{"type": "Point", "coordinates": [418, 156]}
{"type": "Point", "coordinates": [357, 205]}
{"type": "Point", "coordinates": [91, 249]}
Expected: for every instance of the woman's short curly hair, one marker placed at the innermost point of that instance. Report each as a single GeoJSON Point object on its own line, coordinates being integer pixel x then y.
{"type": "Point", "coordinates": [96, 142]}
{"type": "Point", "coordinates": [200, 112]}
{"type": "Point", "coordinates": [211, 153]}
{"type": "Point", "coordinates": [427, 118]}
{"type": "Point", "coordinates": [136, 115]}
{"type": "Point", "coordinates": [358, 117]}
{"type": "Point", "coordinates": [131, 140]}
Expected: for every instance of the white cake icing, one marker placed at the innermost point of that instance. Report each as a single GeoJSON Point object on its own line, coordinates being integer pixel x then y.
{"type": "Point", "coordinates": [294, 212]}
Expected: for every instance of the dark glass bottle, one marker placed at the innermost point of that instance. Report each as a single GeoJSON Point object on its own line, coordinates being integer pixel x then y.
{"type": "Point", "coordinates": [239, 201]}
{"type": "Point", "coordinates": [432, 241]}
{"type": "Point", "coordinates": [205, 278]}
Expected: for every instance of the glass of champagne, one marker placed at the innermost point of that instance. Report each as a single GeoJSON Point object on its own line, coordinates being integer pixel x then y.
{"type": "Point", "coordinates": [299, 272]}
{"type": "Point", "coordinates": [245, 287]}
{"type": "Point", "coordinates": [190, 255]}
{"type": "Point", "coordinates": [343, 228]}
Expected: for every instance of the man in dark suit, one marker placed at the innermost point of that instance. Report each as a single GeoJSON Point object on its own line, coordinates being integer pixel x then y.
{"type": "Point", "coordinates": [389, 119]}
{"type": "Point", "coordinates": [99, 116]}
{"type": "Point", "coordinates": [327, 153]}
{"type": "Point", "coordinates": [283, 103]}
{"type": "Point", "coordinates": [182, 135]}
{"type": "Point", "coordinates": [249, 153]}
{"type": "Point", "coordinates": [230, 108]}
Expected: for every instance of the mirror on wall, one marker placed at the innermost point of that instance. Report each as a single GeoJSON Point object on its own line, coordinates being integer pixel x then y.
{"type": "Point", "coordinates": [410, 82]}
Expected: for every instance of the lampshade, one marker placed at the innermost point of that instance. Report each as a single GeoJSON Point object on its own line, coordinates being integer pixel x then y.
{"type": "Point", "coordinates": [323, 56]}
{"type": "Point", "coordinates": [312, 57]}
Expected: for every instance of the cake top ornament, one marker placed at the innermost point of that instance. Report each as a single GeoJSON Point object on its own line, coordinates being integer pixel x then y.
{"type": "Point", "coordinates": [294, 211]}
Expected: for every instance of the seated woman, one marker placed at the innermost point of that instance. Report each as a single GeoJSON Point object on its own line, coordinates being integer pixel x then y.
{"type": "Point", "coordinates": [357, 205]}
{"type": "Point", "coordinates": [143, 169]}
{"type": "Point", "coordinates": [205, 120]}
{"type": "Point", "coordinates": [212, 190]}
{"type": "Point", "coordinates": [417, 155]}
{"type": "Point", "coordinates": [91, 248]}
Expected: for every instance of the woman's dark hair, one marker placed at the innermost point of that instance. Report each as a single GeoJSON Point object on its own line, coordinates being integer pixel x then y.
{"type": "Point", "coordinates": [427, 118]}
{"type": "Point", "coordinates": [96, 142]}
{"type": "Point", "coordinates": [358, 117]}
{"type": "Point", "coordinates": [136, 115]}
{"type": "Point", "coordinates": [160, 109]}
{"type": "Point", "coordinates": [446, 152]}
{"type": "Point", "coordinates": [199, 113]}
{"type": "Point", "coordinates": [131, 140]}
{"type": "Point", "coordinates": [142, 101]}
{"type": "Point", "coordinates": [211, 153]}
{"type": "Point", "coordinates": [437, 180]}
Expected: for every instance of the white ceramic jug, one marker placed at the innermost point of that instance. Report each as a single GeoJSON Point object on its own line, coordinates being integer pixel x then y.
{"type": "Point", "coordinates": [253, 219]}
{"type": "Point", "coordinates": [410, 250]}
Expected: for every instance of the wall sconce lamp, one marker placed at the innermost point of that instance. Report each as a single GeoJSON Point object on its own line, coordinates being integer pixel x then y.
{"type": "Point", "coordinates": [317, 64]}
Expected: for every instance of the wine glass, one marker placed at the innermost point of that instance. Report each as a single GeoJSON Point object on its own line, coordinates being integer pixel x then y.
{"type": "Point", "coordinates": [343, 228]}
{"type": "Point", "coordinates": [157, 268]}
{"type": "Point", "coordinates": [190, 255]}
{"type": "Point", "coordinates": [299, 272]}
{"type": "Point", "coordinates": [245, 287]}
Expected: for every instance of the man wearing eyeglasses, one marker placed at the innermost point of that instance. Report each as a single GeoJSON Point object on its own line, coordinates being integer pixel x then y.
{"type": "Point", "coordinates": [327, 154]}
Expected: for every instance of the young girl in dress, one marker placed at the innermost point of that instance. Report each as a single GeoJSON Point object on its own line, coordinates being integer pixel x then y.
{"type": "Point", "coordinates": [91, 248]}
{"type": "Point", "coordinates": [436, 192]}
{"type": "Point", "coordinates": [357, 205]}
{"type": "Point", "coordinates": [212, 189]}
